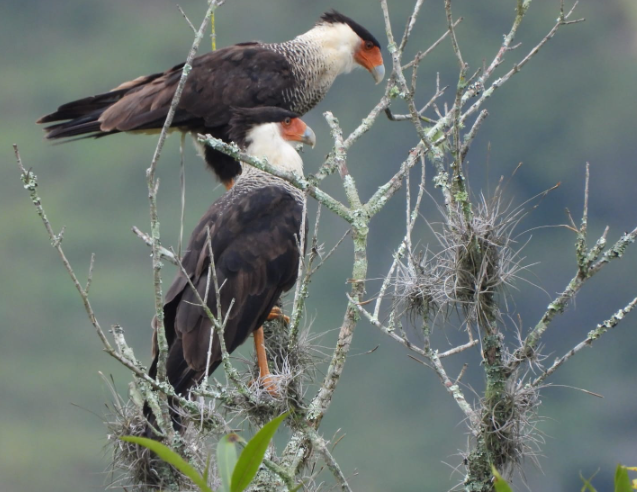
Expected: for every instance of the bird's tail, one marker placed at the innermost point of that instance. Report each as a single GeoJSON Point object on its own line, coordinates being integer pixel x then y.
{"type": "Point", "coordinates": [182, 378]}
{"type": "Point", "coordinates": [81, 118]}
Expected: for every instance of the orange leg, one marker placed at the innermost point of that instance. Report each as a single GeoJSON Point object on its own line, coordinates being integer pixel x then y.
{"type": "Point", "coordinates": [229, 184]}
{"type": "Point", "coordinates": [265, 376]}
{"type": "Point", "coordinates": [262, 361]}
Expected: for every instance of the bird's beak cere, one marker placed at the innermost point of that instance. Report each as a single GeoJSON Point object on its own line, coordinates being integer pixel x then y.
{"type": "Point", "coordinates": [298, 131]}
{"type": "Point", "coordinates": [372, 60]}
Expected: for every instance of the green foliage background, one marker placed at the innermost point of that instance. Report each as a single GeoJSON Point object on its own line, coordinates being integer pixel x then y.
{"type": "Point", "coordinates": [573, 103]}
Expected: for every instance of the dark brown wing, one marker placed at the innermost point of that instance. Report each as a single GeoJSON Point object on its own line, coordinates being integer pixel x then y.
{"type": "Point", "coordinates": [254, 242]}
{"type": "Point", "coordinates": [243, 75]}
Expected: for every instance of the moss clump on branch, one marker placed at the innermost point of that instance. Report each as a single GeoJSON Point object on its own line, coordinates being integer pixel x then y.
{"type": "Point", "coordinates": [135, 467]}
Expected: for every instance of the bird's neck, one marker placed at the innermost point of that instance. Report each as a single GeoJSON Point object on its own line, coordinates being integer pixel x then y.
{"type": "Point", "coordinates": [266, 141]}
{"type": "Point", "coordinates": [316, 58]}
{"type": "Point", "coordinates": [336, 45]}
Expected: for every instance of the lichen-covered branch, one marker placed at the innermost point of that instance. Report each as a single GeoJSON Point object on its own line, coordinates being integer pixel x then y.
{"type": "Point", "coordinates": [593, 335]}
{"type": "Point", "coordinates": [165, 253]}
{"type": "Point", "coordinates": [434, 361]}
{"type": "Point", "coordinates": [30, 181]}
{"type": "Point", "coordinates": [559, 304]}
{"type": "Point", "coordinates": [301, 183]}
{"type": "Point", "coordinates": [122, 352]}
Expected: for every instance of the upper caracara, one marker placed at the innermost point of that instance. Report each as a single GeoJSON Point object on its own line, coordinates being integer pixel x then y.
{"type": "Point", "coordinates": [294, 75]}
{"type": "Point", "coordinates": [254, 232]}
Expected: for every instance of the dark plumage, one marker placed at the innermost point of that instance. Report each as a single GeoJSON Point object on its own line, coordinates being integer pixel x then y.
{"type": "Point", "coordinates": [293, 75]}
{"type": "Point", "coordinates": [254, 231]}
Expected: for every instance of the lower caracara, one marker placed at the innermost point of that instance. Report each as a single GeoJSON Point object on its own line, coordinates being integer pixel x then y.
{"type": "Point", "coordinates": [254, 232]}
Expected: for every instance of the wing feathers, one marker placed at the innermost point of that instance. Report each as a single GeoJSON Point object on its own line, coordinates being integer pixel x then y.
{"type": "Point", "coordinates": [256, 256]}
{"type": "Point", "coordinates": [245, 75]}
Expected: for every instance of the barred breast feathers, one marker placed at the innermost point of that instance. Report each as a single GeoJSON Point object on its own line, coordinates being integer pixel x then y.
{"type": "Point", "coordinates": [317, 57]}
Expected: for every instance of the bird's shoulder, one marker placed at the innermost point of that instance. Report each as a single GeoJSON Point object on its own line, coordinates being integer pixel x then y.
{"type": "Point", "coordinates": [240, 219]}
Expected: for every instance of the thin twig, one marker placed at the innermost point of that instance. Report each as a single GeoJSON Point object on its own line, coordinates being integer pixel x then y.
{"type": "Point", "coordinates": [165, 253]}
{"type": "Point", "coordinates": [30, 181]}
{"type": "Point", "coordinates": [405, 245]}
{"type": "Point", "coordinates": [459, 348]}
{"type": "Point", "coordinates": [153, 186]}
{"type": "Point", "coordinates": [182, 184]}
{"type": "Point", "coordinates": [331, 251]}
{"type": "Point", "coordinates": [90, 274]}
{"type": "Point", "coordinates": [468, 138]}
{"type": "Point", "coordinates": [194, 29]}
{"type": "Point", "coordinates": [410, 25]}
{"type": "Point", "coordinates": [593, 335]}
{"type": "Point", "coordinates": [421, 56]}
{"type": "Point", "coordinates": [123, 353]}
{"type": "Point", "coordinates": [298, 298]}
{"type": "Point", "coordinates": [319, 444]}
{"type": "Point", "coordinates": [297, 181]}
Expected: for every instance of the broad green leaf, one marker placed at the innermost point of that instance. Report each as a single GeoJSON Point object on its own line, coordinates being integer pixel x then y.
{"type": "Point", "coordinates": [227, 458]}
{"type": "Point", "coordinates": [169, 456]}
{"type": "Point", "coordinates": [622, 480]}
{"type": "Point", "coordinates": [500, 483]}
{"type": "Point", "coordinates": [252, 455]}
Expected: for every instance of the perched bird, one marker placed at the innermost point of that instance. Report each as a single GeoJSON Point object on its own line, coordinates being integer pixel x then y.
{"type": "Point", "coordinates": [253, 232]}
{"type": "Point", "coordinates": [294, 75]}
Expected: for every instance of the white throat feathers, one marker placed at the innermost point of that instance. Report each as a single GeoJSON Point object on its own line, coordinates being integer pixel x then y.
{"type": "Point", "coordinates": [337, 43]}
{"type": "Point", "coordinates": [266, 141]}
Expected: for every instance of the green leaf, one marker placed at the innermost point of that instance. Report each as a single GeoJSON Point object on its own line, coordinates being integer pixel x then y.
{"type": "Point", "coordinates": [206, 471]}
{"type": "Point", "coordinates": [169, 456]}
{"type": "Point", "coordinates": [252, 455]}
{"type": "Point", "coordinates": [227, 458]}
{"type": "Point", "coordinates": [500, 483]}
{"type": "Point", "coordinates": [622, 480]}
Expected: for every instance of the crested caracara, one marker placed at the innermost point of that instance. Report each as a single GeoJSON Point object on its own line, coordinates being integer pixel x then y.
{"type": "Point", "coordinates": [294, 75]}
{"type": "Point", "coordinates": [254, 232]}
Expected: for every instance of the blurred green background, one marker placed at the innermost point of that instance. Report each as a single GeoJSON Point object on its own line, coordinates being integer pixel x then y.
{"type": "Point", "coordinates": [573, 103]}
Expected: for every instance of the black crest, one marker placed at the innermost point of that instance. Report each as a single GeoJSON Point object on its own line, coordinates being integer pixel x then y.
{"type": "Point", "coordinates": [244, 119]}
{"type": "Point", "coordinates": [334, 17]}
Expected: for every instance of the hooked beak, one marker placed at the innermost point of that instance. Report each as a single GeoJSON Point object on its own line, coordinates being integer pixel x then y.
{"type": "Point", "coordinates": [308, 137]}
{"type": "Point", "coordinates": [378, 72]}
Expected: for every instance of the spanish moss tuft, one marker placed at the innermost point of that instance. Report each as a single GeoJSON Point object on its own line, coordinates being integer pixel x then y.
{"type": "Point", "coordinates": [510, 427]}
{"type": "Point", "coordinates": [475, 257]}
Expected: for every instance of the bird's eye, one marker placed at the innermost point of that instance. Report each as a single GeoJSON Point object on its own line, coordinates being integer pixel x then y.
{"type": "Point", "coordinates": [287, 121]}
{"type": "Point", "coordinates": [369, 45]}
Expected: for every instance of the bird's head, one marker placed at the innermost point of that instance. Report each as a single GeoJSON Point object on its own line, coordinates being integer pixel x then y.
{"type": "Point", "coordinates": [270, 132]}
{"type": "Point", "coordinates": [359, 44]}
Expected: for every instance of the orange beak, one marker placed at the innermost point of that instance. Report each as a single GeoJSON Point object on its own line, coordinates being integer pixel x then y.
{"type": "Point", "coordinates": [297, 131]}
{"type": "Point", "coordinates": [372, 60]}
